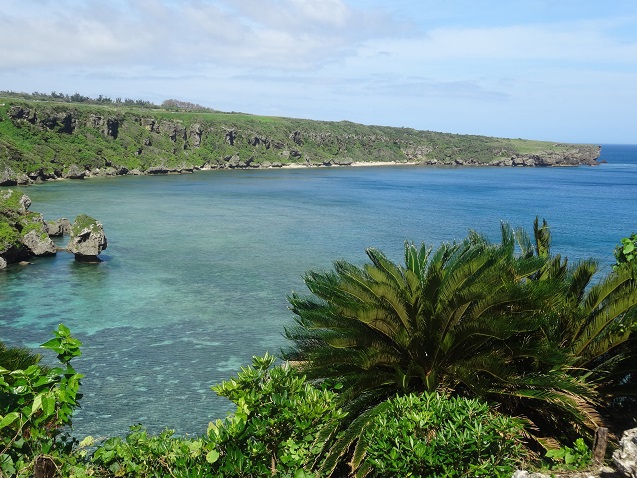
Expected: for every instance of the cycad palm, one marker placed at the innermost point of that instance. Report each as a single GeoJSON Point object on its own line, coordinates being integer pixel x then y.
{"type": "Point", "coordinates": [465, 319]}
{"type": "Point", "coordinates": [596, 320]}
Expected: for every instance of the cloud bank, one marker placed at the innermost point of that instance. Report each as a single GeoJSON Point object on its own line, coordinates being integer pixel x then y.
{"type": "Point", "coordinates": [407, 62]}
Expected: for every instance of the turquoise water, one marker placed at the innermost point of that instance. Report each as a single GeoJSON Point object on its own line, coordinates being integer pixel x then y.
{"type": "Point", "coordinates": [198, 267]}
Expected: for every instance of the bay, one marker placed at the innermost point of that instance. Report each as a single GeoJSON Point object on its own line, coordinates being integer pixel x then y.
{"type": "Point", "coordinates": [198, 267]}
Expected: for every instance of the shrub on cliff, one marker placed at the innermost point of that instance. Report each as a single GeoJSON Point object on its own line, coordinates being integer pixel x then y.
{"type": "Point", "coordinates": [9, 236]}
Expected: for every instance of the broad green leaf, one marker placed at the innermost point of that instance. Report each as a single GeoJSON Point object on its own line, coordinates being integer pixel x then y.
{"type": "Point", "coordinates": [37, 403]}
{"type": "Point", "coordinates": [48, 404]}
{"type": "Point", "coordinates": [8, 419]}
{"type": "Point", "coordinates": [212, 456]}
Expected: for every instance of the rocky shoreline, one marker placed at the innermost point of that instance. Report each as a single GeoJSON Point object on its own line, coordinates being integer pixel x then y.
{"type": "Point", "coordinates": [8, 177]}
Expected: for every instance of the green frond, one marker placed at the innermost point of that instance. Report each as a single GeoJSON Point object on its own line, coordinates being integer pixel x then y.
{"type": "Point", "coordinates": [17, 358]}
{"type": "Point", "coordinates": [387, 267]}
{"type": "Point", "coordinates": [613, 284]}
{"type": "Point", "coordinates": [602, 328]}
{"type": "Point", "coordinates": [349, 437]}
{"type": "Point", "coordinates": [524, 243]}
{"type": "Point", "coordinates": [580, 278]}
{"type": "Point", "coordinates": [542, 236]}
{"type": "Point", "coordinates": [416, 258]}
{"type": "Point", "coordinates": [507, 239]}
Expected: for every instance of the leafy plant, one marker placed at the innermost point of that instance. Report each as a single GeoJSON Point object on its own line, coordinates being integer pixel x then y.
{"type": "Point", "coordinates": [626, 252]}
{"type": "Point", "coordinates": [279, 426]}
{"type": "Point", "coordinates": [576, 457]}
{"type": "Point", "coordinates": [431, 435]}
{"type": "Point", "coordinates": [35, 403]}
{"type": "Point", "coordinates": [594, 320]}
{"type": "Point", "coordinates": [142, 455]}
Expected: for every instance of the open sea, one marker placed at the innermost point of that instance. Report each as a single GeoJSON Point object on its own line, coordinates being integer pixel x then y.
{"type": "Point", "coordinates": [198, 267]}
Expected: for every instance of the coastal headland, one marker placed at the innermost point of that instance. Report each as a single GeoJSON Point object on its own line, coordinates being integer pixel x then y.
{"type": "Point", "coordinates": [44, 140]}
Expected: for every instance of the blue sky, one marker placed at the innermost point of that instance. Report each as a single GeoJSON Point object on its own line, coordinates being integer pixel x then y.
{"type": "Point", "coordinates": [559, 70]}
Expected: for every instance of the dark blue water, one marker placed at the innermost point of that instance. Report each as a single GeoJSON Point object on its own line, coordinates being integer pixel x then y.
{"type": "Point", "coordinates": [198, 267]}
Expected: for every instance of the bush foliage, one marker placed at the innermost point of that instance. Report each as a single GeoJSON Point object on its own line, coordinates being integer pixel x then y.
{"type": "Point", "coordinates": [35, 404]}
{"type": "Point", "coordinates": [430, 435]}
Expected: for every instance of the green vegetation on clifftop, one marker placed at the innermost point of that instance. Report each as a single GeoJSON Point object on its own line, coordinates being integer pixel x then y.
{"type": "Point", "coordinates": [50, 139]}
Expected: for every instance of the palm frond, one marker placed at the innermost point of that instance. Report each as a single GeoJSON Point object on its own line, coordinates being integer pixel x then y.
{"type": "Point", "coordinates": [350, 437]}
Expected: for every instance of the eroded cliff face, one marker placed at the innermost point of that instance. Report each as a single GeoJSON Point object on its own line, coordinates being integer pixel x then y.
{"type": "Point", "coordinates": [63, 141]}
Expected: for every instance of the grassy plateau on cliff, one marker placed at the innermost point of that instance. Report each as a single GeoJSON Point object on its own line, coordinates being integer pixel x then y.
{"type": "Point", "coordinates": [48, 139]}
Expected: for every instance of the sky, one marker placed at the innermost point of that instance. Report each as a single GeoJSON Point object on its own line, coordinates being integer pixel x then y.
{"type": "Point", "coordinates": [557, 70]}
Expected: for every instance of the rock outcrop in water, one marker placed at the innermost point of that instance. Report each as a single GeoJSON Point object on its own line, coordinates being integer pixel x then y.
{"type": "Point", "coordinates": [25, 234]}
{"type": "Point", "coordinates": [87, 239]}
{"type": "Point", "coordinates": [43, 141]}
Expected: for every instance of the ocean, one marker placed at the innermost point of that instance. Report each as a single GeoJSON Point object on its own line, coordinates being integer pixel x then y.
{"type": "Point", "coordinates": [198, 267]}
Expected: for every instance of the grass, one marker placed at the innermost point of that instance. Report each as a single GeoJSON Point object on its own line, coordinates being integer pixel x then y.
{"type": "Point", "coordinates": [82, 222]}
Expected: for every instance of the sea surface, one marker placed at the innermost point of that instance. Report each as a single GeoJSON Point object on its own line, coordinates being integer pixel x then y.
{"type": "Point", "coordinates": [198, 267]}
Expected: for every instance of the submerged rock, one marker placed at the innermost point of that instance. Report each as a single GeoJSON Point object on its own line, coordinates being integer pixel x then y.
{"type": "Point", "coordinates": [87, 239]}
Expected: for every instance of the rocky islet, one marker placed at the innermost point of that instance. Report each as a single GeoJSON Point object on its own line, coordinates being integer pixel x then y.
{"type": "Point", "coordinates": [25, 234]}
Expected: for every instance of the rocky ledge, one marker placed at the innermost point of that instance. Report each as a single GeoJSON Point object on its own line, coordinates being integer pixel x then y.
{"type": "Point", "coordinates": [25, 234]}
{"type": "Point", "coordinates": [578, 156]}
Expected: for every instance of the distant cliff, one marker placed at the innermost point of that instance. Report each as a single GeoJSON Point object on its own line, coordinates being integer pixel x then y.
{"type": "Point", "coordinates": [42, 140]}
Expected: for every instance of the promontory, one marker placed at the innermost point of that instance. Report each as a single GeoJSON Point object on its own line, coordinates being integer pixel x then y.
{"type": "Point", "coordinates": [42, 140]}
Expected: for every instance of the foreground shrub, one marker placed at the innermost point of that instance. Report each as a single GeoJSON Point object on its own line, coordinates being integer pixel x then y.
{"type": "Point", "coordinates": [35, 404]}
{"type": "Point", "coordinates": [280, 424]}
{"type": "Point", "coordinates": [508, 323]}
{"type": "Point", "coordinates": [430, 435]}
{"type": "Point", "coordinates": [144, 455]}
{"type": "Point", "coordinates": [278, 428]}
{"type": "Point", "coordinates": [577, 457]}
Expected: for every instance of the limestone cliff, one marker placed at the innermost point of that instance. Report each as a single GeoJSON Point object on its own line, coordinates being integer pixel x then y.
{"type": "Point", "coordinates": [40, 141]}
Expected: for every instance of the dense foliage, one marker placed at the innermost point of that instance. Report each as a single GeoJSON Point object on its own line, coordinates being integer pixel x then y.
{"type": "Point", "coordinates": [278, 426]}
{"type": "Point", "coordinates": [35, 403]}
{"type": "Point", "coordinates": [429, 435]}
{"type": "Point", "coordinates": [569, 458]}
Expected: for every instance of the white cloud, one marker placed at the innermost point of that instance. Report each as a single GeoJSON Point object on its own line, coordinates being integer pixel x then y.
{"type": "Point", "coordinates": [289, 34]}
{"type": "Point", "coordinates": [572, 42]}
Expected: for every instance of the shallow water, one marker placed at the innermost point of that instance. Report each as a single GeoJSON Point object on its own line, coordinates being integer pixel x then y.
{"type": "Point", "coordinates": [198, 267]}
